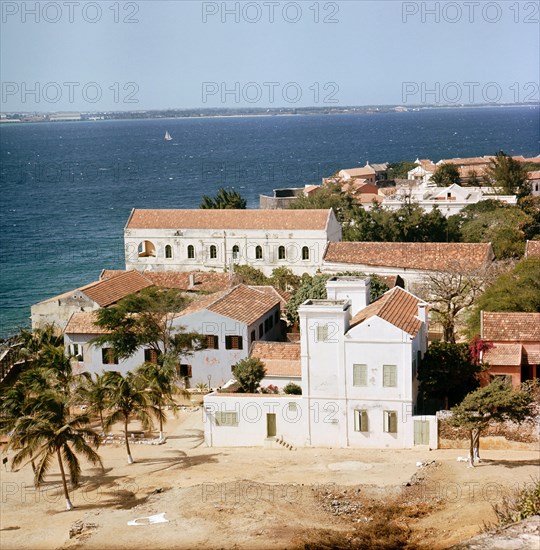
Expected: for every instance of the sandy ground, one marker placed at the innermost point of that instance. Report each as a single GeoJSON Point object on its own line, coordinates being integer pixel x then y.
{"type": "Point", "coordinates": [247, 497]}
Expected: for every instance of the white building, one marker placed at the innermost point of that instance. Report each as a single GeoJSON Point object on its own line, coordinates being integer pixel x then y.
{"type": "Point", "coordinates": [186, 240]}
{"type": "Point", "coordinates": [58, 309]}
{"type": "Point", "coordinates": [230, 320]}
{"type": "Point", "coordinates": [359, 385]}
{"type": "Point", "coordinates": [113, 285]}
{"type": "Point", "coordinates": [449, 200]}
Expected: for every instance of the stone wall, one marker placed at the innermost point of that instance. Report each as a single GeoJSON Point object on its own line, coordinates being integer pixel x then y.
{"type": "Point", "coordinates": [506, 435]}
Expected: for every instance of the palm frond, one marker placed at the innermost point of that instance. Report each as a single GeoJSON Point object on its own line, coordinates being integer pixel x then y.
{"type": "Point", "coordinates": [72, 462]}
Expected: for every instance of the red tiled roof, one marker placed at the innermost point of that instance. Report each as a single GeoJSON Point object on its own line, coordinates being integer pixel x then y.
{"type": "Point", "coordinates": [279, 358]}
{"type": "Point", "coordinates": [398, 307]}
{"type": "Point", "coordinates": [423, 256]}
{"type": "Point", "coordinates": [506, 355]}
{"type": "Point", "coordinates": [242, 303]}
{"type": "Point", "coordinates": [229, 219]}
{"type": "Point", "coordinates": [533, 249]}
{"type": "Point", "coordinates": [110, 290]}
{"type": "Point", "coordinates": [283, 295]}
{"type": "Point", "coordinates": [82, 322]}
{"type": "Point", "coordinates": [203, 281]}
{"type": "Point", "coordinates": [535, 175]}
{"type": "Point", "coordinates": [359, 172]}
{"type": "Point", "coordinates": [504, 326]}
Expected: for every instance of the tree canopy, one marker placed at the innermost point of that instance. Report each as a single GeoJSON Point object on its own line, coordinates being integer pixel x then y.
{"type": "Point", "coordinates": [449, 294]}
{"type": "Point", "coordinates": [496, 402]}
{"type": "Point", "coordinates": [328, 196]}
{"type": "Point", "coordinates": [314, 288]}
{"type": "Point", "coordinates": [447, 373]}
{"type": "Point", "coordinates": [409, 223]}
{"type": "Point", "coordinates": [399, 170]}
{"type": "Point", "coordinates": [224, 200]}
{"type": "Point", "coordinates": [507, 174]}
{"type": "Point", "coordinates": [445, 175]}
{"type": "Point", "coordinates": [146, 319]}
{"type": "Point", "coordinates": [502, 225]}
{"type": "Point", "coordinates": [249, 372]}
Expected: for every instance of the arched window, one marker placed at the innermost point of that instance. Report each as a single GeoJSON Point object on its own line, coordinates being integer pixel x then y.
{"type": "Point", "coordinates": [213, 252]}
{"type": "Point", "coordinates": [191, 252]}
{"type": "Point", "coordinates": [258, 253]}
{"type": "Point", "coordinates": [281, 253]}
{"type": "Point", "coordinates": [305, 253]}
{"type": "Point", "coordinates": [147, 249]}
{"type": "Point", "coordinates": [168, 251]}
{"type": "Point", "coordinates": [235, 252]}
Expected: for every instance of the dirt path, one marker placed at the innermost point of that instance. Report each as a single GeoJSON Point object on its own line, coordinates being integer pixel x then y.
{"type": "Point", "coordinates": [244, 498]}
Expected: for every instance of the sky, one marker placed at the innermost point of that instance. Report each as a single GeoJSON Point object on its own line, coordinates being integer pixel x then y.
{"type": "Point", "coordinates": [153, 54]}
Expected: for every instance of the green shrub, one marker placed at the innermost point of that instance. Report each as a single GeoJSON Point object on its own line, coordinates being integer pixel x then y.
{"type": "Point", "coordinates": [521, 505]}
{"type": "Point", "coordinates": [292, 389]}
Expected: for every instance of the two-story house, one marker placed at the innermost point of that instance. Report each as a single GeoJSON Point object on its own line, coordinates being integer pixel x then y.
{"type": "Point", "coordinates": [230, 321]}
{"type": "Point", "coordinates": [358, 378]}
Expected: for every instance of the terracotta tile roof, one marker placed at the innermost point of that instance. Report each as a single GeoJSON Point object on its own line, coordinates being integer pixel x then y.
{"type": "Point", "coordinates": [359, 172]}
{"type": "Point", "coordinates": [478, 169]}
{"type": "Point", "coordinates": [82, 322]}
{"type": "Point", "coordinates": [503, 326]}
{"type": "Point", "coordinates": [241, 303]}
{"type": "Point", "coordinates": [111, 290]}
{"type": "Point", "coordinates": [398, 307]}
{"type": "Point", "coordinates": [108, 291]}
{"type": "Point", "coordinates": [202, 303]}
{"type": "Point", "coordinates": [204, 281]}
{"type": "Point", "coordinates": [393, 280]}
{"type": "Point", "coordinates": [283, 295]}
{"type": "Point", "coordinates": [279, 358]}
{"type": "Point", "coordinates": [532, 356]}
{"type": "Point", "coordinates": [244, 304]}
{"type": "Point", "coordinates": [533, 175]}
{"type": "Point", "coordinates": [505, 355]}
{"type": "Point", "coordinates": [424, 256]}
{"type": "Point", "coordinates": [533, 249]}
{"type": "Point", "coordinates": [471, 161]}
{"type": "Point", "coordinates": [229, 219]}
{"type": "Point", "coordinates": [368, 198]}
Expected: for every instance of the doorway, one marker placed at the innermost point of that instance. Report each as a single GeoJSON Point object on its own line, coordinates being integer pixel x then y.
{"type": "Point", "coordinates": [271, 430]}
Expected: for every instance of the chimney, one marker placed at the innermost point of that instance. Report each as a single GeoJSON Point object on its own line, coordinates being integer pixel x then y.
{"type": "Point", "coordinates": [422, 312]}
{"type": "Point", "coordinates": [355, 289]}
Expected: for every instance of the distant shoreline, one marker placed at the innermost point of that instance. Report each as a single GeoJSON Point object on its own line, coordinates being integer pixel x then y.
{"type": "Point", "coordinates": [179, 114]}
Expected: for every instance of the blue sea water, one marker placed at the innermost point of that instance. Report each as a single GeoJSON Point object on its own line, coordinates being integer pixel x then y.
{"type": "Point", "coordinates": [68, 188]}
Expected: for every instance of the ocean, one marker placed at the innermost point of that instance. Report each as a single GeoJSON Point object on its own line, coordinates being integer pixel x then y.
{"type": "Point", "coordinates": [68, 187]}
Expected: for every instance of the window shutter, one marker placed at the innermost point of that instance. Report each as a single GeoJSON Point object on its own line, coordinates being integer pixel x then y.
{"type": "Point", "coordinates": [322, 333]}
{"type": "Point", "coordinates": [359, 375]}
{"type": "Point", "coordinates": [389, 376]}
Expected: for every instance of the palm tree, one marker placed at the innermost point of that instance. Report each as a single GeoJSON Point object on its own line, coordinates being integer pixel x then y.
{"type": "Point", "coordinates": [50, 431]}
{"type": "Point", "coordinates": [127, 400]}
{"type": "Point", "coordinates": [224, 200]}
{"type": "Point", "coordinates": [159, 382]}
{"type": "Point", "coordinates": [94, 393]}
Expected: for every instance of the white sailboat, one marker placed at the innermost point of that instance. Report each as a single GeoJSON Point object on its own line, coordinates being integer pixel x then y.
{"type": "Point", "coordinates": [167, 137]}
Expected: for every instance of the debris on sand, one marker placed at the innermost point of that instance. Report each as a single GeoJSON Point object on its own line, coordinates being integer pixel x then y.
{"type": "Point", "coordinates": [80, 529]}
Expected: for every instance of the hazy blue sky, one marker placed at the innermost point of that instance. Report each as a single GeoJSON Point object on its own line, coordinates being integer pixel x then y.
{"type": "Point", "coordinates": [185, 54]}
